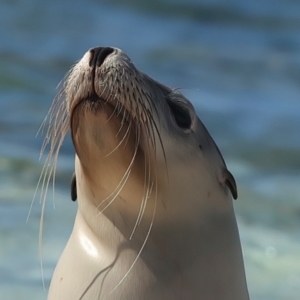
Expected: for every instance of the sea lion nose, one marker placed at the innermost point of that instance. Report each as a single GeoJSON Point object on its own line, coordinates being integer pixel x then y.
{"type": "Point", "coordinates": [98, 55]}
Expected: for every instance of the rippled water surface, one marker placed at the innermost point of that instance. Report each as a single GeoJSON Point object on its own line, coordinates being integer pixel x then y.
{"type": "Point", "coordinates": [237, 61]}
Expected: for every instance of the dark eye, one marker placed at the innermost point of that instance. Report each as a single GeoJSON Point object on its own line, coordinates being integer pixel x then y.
{"type": "Point", "coordinates": [181, 115]}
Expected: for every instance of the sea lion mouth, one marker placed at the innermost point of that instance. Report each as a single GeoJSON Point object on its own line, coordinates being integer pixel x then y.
{"type": "Point", "coordinates": [82, 82]}
{"type": "Point", "coordinates": [97, 57]}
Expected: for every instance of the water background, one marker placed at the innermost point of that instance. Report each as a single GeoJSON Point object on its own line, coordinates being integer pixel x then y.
{"type": "Point", "coordinates": [237, 61]}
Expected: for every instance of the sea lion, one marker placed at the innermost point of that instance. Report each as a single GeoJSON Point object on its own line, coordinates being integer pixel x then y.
{"type": "Point", "coordinates": [155, 215]}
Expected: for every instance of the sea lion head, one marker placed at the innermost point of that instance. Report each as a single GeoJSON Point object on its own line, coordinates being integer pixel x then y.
{"type": "Point", "coordinates": [134, 136]}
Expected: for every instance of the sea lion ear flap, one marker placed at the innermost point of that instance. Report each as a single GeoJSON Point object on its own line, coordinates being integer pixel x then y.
{"type": "Point", "coordinates": [230, 182]}
{"type": "Point", "coordinates": [73, 188]}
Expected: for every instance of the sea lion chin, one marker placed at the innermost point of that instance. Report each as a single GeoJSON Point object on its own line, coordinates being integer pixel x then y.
{"type": "Point", "coordinates": [155, 218]}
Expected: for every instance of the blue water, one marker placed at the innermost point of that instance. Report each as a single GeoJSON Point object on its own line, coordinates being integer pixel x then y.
{"type": "Point", "coordinates": [237, 61]}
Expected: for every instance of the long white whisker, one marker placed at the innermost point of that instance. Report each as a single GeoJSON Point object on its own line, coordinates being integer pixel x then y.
{"type": "Point", "coordinates": [121, 183]}
{"type": "Point", "coordinates": [146, 194]}
{"type": "Point", "coordinates": [57, 119]}
{"type": "Point", "coordinates": [122, 140]}
{"type": "Point", "coordinates": [141, 249]}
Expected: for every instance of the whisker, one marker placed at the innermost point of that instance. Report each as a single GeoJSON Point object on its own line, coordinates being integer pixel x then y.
{"type": "Point", "coordinates": [146, 195]}
{"type": "Point", "coordinates": [122, 140]}
{"type": "Point", "coordinates": [120, 185]}
{"type": "Point", "coordinates": [57, 119]}
{"type": "Point", "coordinates": [141, 249]}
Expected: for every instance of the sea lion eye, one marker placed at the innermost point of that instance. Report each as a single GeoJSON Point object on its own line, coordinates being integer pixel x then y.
{"type": "Point", "coordinates": [181, 115]}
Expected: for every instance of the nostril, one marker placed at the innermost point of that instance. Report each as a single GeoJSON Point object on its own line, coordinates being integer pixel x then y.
{"type": "Point", "coordinates": [98, 55]}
